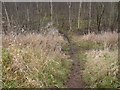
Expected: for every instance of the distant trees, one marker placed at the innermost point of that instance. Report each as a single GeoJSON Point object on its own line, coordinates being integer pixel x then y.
{"type": "Point", "coordinates": [113, 16]}
{"type": "Point", "coordinates": [7, 18]}
{"type": "Point", "coordinates": [100, 12]}
{"type": "Point", "coordinates": [78, 17]}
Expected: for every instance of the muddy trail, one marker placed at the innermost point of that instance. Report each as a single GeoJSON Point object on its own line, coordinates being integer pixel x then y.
{"type": "Point", "coordinates": [75, 79]}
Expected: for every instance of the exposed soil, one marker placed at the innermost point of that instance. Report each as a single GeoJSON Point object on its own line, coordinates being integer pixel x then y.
{"type": "Point", "coordinates": [75, 79]}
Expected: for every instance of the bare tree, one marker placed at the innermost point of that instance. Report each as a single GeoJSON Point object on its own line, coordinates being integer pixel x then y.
{"type": "Point", "coordinates": [57, 20]}
{"type": "Point", "coordinates": [79, 12]}
{"type": "Point", "coordinates": [7, 17]}
{"type": "Point", "coordinates": [68, 16]}
{"type": "Point", "coordinates": [17, 17]}
{"type": "Point", "coordinates": [112, 17]}
{"type": "Point", "coordinates": [28, 17]}
{"type": "Point", "coordinates": [38, 13]}
{"type": "Point", "coordinates": [100, 12]}
{"type": "Point", "coordinates": [70, 24]}
{"type": "Point", "coordinates": [89, 23]}
{"type": "Point", "coordinates": [16, 8]}
{"type": "Point", "coordinates": [51, 6]}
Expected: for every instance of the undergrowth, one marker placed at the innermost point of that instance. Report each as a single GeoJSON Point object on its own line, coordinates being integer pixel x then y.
{"type": "Point", "coordinates": [98, 54]}
{"type": "Point", "coordinates": [34, 61]}
{"type": "Point", "coordinates": [101, 69]}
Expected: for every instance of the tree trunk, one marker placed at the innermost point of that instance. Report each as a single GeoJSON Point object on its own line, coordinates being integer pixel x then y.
{"type": "Point", "coordinates": [28, 18]}
{"type": "Point", "coordinates": [17, 12]}
{"type": "Point", "coordinates": [38, 13]}
{"type": "Point", "coordinates": [99, 16]}
{"type": "Point", "coordinates": [51, 11]}
{"type": "Point", "coordinates": [70, 25]}
{"type": "Point", "coordinates": [79, 12]}
{"type": "Point", "coordinates": [57, 20]}
{"type": "Point", "coordinates": [8, 20]}
{"type": "Point", "coordinates": [89, 23]}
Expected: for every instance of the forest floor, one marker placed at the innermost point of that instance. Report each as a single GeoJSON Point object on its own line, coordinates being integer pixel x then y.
{"type": "Point", "coordinates": [75, 79]}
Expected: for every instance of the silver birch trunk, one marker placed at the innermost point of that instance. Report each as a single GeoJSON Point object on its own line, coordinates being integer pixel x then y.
{"type": "Point", "coordinates": [8, 20]}
{"type": "Point", "coordinates": [79, 15]}
{"type": "Point", "coordinates": [28, 18]}
{"type": "Point", "coordinates": [89, 23]}
{"type": "Point", "coordinates": [70, 25]}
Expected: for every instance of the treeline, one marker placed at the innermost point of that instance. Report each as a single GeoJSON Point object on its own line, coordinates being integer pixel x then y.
{"type": "Point", "coordinates": [80, 17]}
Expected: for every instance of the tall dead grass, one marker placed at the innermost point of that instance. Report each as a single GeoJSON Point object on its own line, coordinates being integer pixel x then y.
{"type": "Point", "coordinates": [101, 61]}
{"type": "Point", "coordinates": [108, 39]}
{"type": "Point", "coordinates": [101, 69]}
{"type": "Point", "coordinates": [32, 59]}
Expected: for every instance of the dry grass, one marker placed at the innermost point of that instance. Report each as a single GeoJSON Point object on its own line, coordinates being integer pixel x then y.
{"type": "Point", "coordinates": [108, 39]}
{"type": "Point", "coordinates": [101, 69]}
{"type": "Point", "coordinates": [101, 59]}
{"type": "Point", "coordinates": [34, 60]}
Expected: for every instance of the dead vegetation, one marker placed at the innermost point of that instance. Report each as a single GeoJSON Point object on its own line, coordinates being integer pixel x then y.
{"type": "Point", "coordinates": [101, 59]}
{"type": "Point", "coordinates": [34, 60]}
{"type": "Point", "coordinates": [107, 39]}
{"type": "Point", "coordinates": [37, 60]}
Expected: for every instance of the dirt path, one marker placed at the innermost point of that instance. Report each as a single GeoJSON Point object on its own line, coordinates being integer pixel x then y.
{"type": "Point", "coordinates": [75, 79]}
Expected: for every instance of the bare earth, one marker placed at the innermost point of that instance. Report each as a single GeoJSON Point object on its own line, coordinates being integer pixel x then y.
{"type": "Point", "coordinates": [75, 79]}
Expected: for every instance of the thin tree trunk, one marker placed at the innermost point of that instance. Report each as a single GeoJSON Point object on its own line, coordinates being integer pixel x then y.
{"type": "Point", "coordinates": [70, 25]}
{"type": "Point", "coordinates": [57, 20]}
{"type": "Point", "coordinates": [28, 18]}
{"type": "Point", "coordinates": [18, 19]}
{"type": "Point", "coordinates": [17, 12]}
{"type": "Point", "coordinates": [38, 13]}
{"type": "Point", "coordinates": [99, 16]}
{"type": "Point", "coordinates": [79, 15]}
{"type": "Point", "coordinates": [8, 20]}
{"type": "Point", "coordinates": [51, 11]}
{"type": "Point", "coordinates": [111, 20]}
{"type": "Point", "coordinates": [89, 23]}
